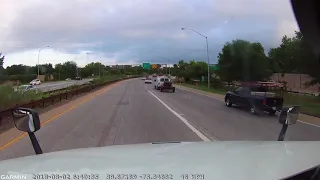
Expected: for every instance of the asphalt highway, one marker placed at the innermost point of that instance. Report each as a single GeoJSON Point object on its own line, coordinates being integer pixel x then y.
{"type": "Point", "coordinates": [50, 86]}
{"type": "Point", "coordinates": [131, 112]}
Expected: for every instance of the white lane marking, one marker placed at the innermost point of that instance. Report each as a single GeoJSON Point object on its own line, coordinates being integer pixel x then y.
{"type": "Point", "coordinates": [200, 94]}
{"type": "Point", "coordinates": [309, 123]}
{"type": "Point", "coordinates": [223, 100]}
{"type": "Point", "coordinates": [198, 133]}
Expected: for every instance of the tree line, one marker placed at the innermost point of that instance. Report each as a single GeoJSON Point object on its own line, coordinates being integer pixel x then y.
{"type": "Point", "coordinates": [238, 60]}
{"type": "Point", "coordinates": [61, 71]}
{"type": "Point", "coordinates": [241, 60]}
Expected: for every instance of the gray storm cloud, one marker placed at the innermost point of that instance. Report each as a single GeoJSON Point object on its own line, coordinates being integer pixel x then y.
{"type": "Point", "coordinates": [142, 30]}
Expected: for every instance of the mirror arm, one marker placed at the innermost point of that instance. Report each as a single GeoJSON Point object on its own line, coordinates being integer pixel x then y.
{"type": "Point", "coordinates": [283, 132]}
{"type": "Point", "coordinates": [35, 143]}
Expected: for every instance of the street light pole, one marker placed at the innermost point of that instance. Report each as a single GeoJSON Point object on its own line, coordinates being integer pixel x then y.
{"type": "Point", "coordinates": [39, 58]}
{"type": "Point", "coordinates": [77, 71]}
{"type": "Point", "coordinates": [87, 58]}
{"type": "Point", "coordinates": [100, 66]}
{"type": "Point", "coordinates": [208, 62]}
{"type": "Point", "coordinates": [166, 65]}
{"type": "Point", "coordinates": [207, 51]}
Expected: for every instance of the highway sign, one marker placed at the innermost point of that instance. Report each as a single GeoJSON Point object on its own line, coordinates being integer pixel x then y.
{"type": "Point", "coordinates": [146, 65]}
{"type": "Point", "coordinates": [214, 66]}
{"type": "Point", "coordinates": [154, 66]}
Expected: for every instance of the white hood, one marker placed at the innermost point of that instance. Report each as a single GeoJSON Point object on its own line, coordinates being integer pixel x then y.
{"type": "Point", "coordinates": [214, 160]}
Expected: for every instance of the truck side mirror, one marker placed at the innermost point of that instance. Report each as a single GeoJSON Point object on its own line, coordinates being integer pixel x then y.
{"type": "Point", "coordinates": [288, 116]}
{"type": "Point", "coordinates": [26, 120]}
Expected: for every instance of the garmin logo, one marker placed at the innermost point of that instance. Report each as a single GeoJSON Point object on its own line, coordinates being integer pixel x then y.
{"type": "Point", "coordinates": [13, 177]}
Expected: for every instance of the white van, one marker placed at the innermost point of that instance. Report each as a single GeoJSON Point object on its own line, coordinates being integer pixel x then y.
{"type": "Point", "coordinates": [159, 81]}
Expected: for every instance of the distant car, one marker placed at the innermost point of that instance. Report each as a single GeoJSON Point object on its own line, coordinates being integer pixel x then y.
{"type": "Point", "coordinates": [35, 82]}
{"type": "Point", "coordinates": [148, 81]}
{"type": "Point", "coordinates": [159, 81]}
{"type": "Point", "coordinates": [24, 88]}
{"type": "Point", "coordinates": [167, 85]}
{"type": "Point", "coordinates": [143, 78]}
{"type": "Point", "coordinates": [91, 81]}
{"type": "Point", "coordinates": [68, 79]}
{"type": "Point", "coordinates": [78, 78]}
{"type": "Point", "coordinates": [256, 98]}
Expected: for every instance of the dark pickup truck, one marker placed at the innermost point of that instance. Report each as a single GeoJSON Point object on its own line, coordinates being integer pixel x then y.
{"type": "Point", "coordinates": [257, 99]}
{"type": "Point", "coordinates": [167, 85]}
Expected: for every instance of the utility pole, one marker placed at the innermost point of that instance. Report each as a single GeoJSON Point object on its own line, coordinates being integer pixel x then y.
{"type": "Point", "coordinates": [39, 59]}
{"type": "Point", "coordinates": [207, 51]}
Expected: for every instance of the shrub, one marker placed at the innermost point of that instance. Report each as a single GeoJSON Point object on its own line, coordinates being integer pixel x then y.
{"type": "Point", "coordinates": [9, 97]}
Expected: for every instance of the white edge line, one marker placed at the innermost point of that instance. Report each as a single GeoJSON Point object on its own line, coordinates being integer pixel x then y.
{"type": "Point", "coordinates": [197, 132]}
{"type": "Point", "coordinates": [200, 94]}
{"type": "Point", "coordinates": [309, 123]}
{"type": "Point", "coordinates": [181, 88]}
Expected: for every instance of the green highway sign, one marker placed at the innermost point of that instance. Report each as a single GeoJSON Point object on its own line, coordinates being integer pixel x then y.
{"type": "Point", "coordinates": [214, 66]}
{"type": "Point", "coordinates": [146, 65]}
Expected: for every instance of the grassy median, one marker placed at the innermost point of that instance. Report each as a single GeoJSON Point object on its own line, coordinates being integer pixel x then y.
{"type": "Point", "coordinates": [9, 97]}
{"type": "Point", "coordinates": [310, 105]}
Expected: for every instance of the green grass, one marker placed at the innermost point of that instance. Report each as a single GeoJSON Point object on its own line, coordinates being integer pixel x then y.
{"type": "Point", "coordinates": [9, 97]}
{"type": "Point", "coordinates": [106, 78]}
{"type": "Point", "coordinates": [205, 88]}
{"type": "Point", "coordinates": [309, 104]}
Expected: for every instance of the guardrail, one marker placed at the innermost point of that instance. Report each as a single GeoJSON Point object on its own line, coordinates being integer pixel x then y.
{"type": "Point", "coordinates": [47, 101]}
{"type": "Point", "coordinates": [304, 93]}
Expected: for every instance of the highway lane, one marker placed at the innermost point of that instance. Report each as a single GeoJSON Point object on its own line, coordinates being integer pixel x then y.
{"type": "Point", "coordinates": [133, 112]}
{"type": "Point", "coordinates": [126, 114]}
{"type": "Point", "coordinates": [50, 86]}
{"type": "Point", "coordinates": [224, 123]}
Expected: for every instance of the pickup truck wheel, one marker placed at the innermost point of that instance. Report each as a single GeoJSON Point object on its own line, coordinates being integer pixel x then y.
{"type": "Point", "coordinates": [228, 102]}
{"type": "Point", "coordinates": [160, 90]}
{"type": "Point", "coordinates": [272, 112]}
{"type": "Point", "coordinates": [253, 110]}
{"type": "Point", "coordinates": [173, 90]}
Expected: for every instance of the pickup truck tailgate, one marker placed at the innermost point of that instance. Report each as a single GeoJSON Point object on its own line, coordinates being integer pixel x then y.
{"type": "Point", "coordinates": [274, 101]}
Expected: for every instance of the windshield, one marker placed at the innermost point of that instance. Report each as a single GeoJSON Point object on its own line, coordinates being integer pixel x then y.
{"type": "Point", "coordinates": [90, 63]}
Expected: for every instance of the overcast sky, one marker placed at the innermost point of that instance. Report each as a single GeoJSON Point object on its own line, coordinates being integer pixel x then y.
{"type": "Point", "coordinates": [135, 31]}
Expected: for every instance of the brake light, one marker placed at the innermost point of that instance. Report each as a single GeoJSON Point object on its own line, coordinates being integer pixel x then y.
{"type": "Point", "coordinates": [264, 101]}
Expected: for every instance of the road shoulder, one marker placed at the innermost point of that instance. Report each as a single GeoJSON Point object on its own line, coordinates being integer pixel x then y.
{"type": "Point", "coordinates": [303, 118]}
{"type": "Point", "coordinates": [13, 135]}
